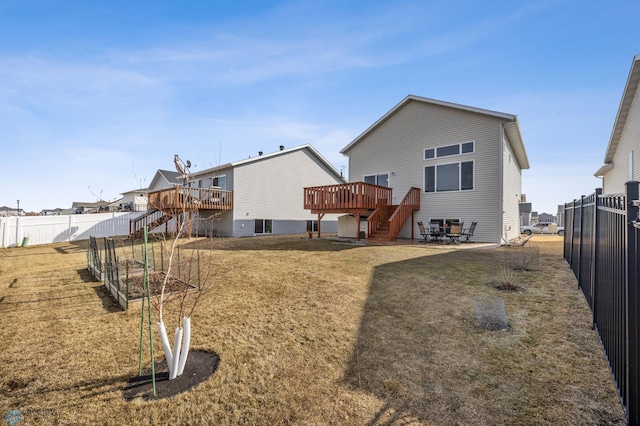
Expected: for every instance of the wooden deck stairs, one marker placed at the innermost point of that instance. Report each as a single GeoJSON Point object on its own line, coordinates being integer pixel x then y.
{"type": "Point", "coordinates": [153, 219]}
{"type": "Point", "coordinates": [379, 226]}
{"type": "Point", "coordinates": [386, 222]}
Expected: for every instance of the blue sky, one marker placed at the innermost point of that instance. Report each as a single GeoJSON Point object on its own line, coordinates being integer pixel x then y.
{"type": "Point", "coordinates": [96, 96]}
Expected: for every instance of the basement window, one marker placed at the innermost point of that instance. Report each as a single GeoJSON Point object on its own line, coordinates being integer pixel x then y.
{"type": "Point", "coordinates": [263, 226]}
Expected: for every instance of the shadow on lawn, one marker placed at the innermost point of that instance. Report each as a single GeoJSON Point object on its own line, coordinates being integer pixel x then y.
{"type": "Point", "coordinates": [108, 302]}
{"type": "Point", "coordinates": [274, 243]}
{"type": "Point", "coordinates": [398, 356]}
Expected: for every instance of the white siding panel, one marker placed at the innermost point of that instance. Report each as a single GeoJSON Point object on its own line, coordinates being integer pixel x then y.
{"type": "Point", "coordinates": [398, 145]}
{"type": "Point", "coordinates": [615, 179]}
{"type": "Point", "coordinates": [274, 188]}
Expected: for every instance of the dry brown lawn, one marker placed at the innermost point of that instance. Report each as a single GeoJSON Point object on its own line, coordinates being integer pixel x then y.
{"type": "Point", "coordinates": [313, 332]}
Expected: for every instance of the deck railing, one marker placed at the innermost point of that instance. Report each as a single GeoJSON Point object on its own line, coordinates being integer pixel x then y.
{"type": "Point", "coordinates": [347, 196]}
{"type": "Point", "coordinates": [409, 204]}
{"type": "Point", "coordinates": [183, 198]}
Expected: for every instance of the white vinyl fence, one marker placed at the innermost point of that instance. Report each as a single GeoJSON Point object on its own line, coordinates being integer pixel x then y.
{"type": "Point", "coordinates": [14, 230]}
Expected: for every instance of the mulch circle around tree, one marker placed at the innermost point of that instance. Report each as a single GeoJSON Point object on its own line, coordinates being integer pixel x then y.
{"type": "Point", "coordinates": [199, 367]}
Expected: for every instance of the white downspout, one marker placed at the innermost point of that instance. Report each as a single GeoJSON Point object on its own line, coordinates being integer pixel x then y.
{"type": "Point", "coordinates": [501, 211]}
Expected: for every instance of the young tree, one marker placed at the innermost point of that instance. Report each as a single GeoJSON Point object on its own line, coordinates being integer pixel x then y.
{"type": "Point", "coordinates": [180, 271]}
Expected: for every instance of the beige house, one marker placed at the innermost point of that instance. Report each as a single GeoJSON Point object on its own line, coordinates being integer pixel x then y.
{"type": "Point", "coordinates": [622, 158]}
{"type": "Point", "coordinates": [465, 161]}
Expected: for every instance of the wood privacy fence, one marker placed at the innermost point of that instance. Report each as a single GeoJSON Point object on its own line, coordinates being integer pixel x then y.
{"type": "Point", "coordinates": [53, 229]}
{"type": "Point", "coordinates": [602, 246]}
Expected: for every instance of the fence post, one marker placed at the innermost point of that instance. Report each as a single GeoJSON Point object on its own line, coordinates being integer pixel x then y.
{"type": "Point", "coordinates": [567, 229]}
{"type": "Point", "coordinates": [579, 268]}
{"type": "Point", "coordinates": [632, 304]}
{"type": "Point", "coordinates": [573, 230]}
{"type": "Point", "coordinates": [596, 250]}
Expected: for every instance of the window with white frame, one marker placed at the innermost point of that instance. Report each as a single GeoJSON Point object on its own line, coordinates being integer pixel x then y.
{"type": "Point", "coordinates": [312, 225]}
{"type": "Point", "coordinates": [220, 182]}
{"type": "Point", "coordinates": [263, 226]}
{"type": "Point", "coordinates": [444, 222]}
{"type": "Point", "coordinates": [449, 177]}
{"type": "Point", "coordinates": [379, 179]}
{"type": "Point", "coordinates": [449, 150]}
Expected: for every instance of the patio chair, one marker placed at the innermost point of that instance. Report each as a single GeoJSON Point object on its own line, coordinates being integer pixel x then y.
{"type": "Point", "coordinates": [455, 232]}
{"type": "Point", "coordinates": [423, 232]}
{"type": "Point", "coordinates": [436, 231]}
{"type": "Point", "coordinates": [468, 233]}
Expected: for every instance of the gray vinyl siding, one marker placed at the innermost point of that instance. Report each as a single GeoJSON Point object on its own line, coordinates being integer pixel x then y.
{"type": "Point", "coordinates": [511, 187]}
{"type": "Point", "coordinates": [274, 189]}
{"type": "Point", "coordinates": [397, 146]}
{"type": "Point", "coordinates": [215, 224]}
{"type": "Point", "coordinates": [615, 179]}
{"type": "Point", "coordinates": [329, 227]}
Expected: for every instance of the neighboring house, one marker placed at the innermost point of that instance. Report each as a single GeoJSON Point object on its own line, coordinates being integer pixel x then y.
{"type": "Point", "coordinates": [622, 158]}
{"type": "Point", "coordinates": [546, 217]}
{"type": "Point", "coordinates": [164, 179]}
{"type": "Point", "coordinates": [79, 207]}
{"type": "Point", "coordinates": [560, 215]}
{"type": "Point", "coordinates": [135, 200]}
{"type": "Point", "coordinates": [465, 161]}
{"type": "Point", "coordinates": [534, 218]}
{"type": "Point", "coordinates": [525, 214]}
{"type": "Point", "coordinates": [257, 196]}
{"type": "Point", "coordinates": [10, 211]}
{"type": "Point", "coordinates": [53, 212]}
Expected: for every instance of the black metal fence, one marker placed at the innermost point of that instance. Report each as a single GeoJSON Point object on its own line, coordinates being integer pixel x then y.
{"type": "Point", "coordinates": [602, 246]}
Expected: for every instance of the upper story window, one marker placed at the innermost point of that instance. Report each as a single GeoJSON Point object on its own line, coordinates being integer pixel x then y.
{"type": "Point", "coordinates": [449, 150]}
{"type": "Point", "coordinates": [220, 181]}
{"type": "Point", "coordinates": [380, 180]}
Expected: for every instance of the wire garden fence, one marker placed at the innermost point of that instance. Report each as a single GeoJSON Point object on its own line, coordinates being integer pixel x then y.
{"type": "Point", "coordinates": [119, 265]}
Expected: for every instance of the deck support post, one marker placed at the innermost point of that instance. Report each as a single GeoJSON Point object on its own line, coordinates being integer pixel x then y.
{"type": "Point", "coordinates": [358, 228]}
{"type": "Point", "coordinates": [412, 222]}
{"type": "Point", "coordinates": [320, 216]}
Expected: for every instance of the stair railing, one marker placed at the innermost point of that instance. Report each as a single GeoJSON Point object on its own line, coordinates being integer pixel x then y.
{"type": "Point", "coordinates": [409, 204]}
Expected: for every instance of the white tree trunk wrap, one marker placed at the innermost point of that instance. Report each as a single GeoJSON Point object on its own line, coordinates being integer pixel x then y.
{"type": "Point", "coordinates": [165, 344]}
{"type": "Point", "coordinates": [177, 359]}
{"type": "Point", "coordinates": [186, 341]}
{"type": "Point", "coordinates": [177, 343]}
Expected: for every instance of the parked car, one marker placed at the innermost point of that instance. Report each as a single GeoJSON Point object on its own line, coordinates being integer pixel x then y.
{"type": "Point", "coordinates": [542, 228]}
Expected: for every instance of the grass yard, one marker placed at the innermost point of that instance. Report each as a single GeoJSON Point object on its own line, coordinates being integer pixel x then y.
{"type": "Point", "coordinates": [314, 332]}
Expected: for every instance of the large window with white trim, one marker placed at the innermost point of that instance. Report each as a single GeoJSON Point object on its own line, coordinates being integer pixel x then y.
{"type": "Point", "coordinates": [449, 177]}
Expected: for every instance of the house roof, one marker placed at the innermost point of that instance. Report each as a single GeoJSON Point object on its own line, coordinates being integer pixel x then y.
{"type": "Point", "coordinates": [511, 126]}
{"type": "Point", "coordinates": [172, 178]}
{"type": "Point", "coordinates": [263, 157]}
{"type": "Point", "coordinates": [628, 95]}
{"type": "Point", "coordinates": [143, 190]}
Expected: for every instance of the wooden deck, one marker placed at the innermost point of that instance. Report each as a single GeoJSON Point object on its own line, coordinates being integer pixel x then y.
{"type": "Point", "coordinates": [189, 199]}
{"type": "Point", "coordinates": [385, 220]}
{"type": "Point", "coordinates": [354, 197]}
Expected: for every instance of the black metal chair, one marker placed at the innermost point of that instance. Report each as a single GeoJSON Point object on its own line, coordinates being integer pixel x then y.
{"type": "Point", "coordinates": [423, 232]}
{"type": "Point", "coordinates": [436, 231]}
{"type": "Point", "coordinates": [468, 233]}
